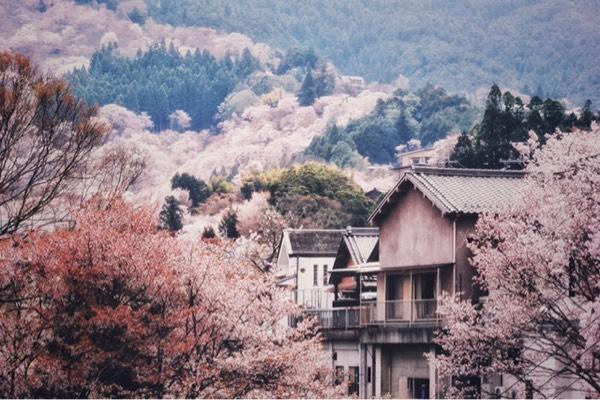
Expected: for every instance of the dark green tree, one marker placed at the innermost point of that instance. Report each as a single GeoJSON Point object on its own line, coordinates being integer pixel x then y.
{"type": "Point", "coordinates": [554, 113]}
{"type": "Point", "coordinates": [208, 233]}
{"type": "Point", "coordinates": [324, 82]}
{"type": "Point", "coordinates": [228, 224]}
{"type": "Point", "coordinates": [308, 91]}
{"type": "Point", "coordinates": [247, 189]}
{"type": "Point", "coordinates": [197, 188]}
{"type": "Point", "coordinates": [171, 215]}
{"type": "Point", "coordinates": [161, 81]}
{"type": "Point", "coordinates": [429, 114]}
{"type": "Point", "coordinates": [247, 64]}
{"type": "Point", "coordinates": [586, 117]}
{"type": "Point", "coordinates": [42, 7]}
{"type": "Point", "coordinates": [320, 181]}
{"type": "Point", "coordinates": [506, 121]}
{"type": "Point", "coordinates": [464, 155]}
{"type": "Point", "coordinates": [137, 17]}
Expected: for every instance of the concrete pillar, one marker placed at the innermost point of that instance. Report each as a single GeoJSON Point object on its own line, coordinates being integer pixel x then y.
{"type": "Point", "coordinates": [362, 372]}
{"type": "Point", "coordinates": [377, 371]}
{"type": "Point", "coordinates": [432, 376]}
{"type": "Point", "coordinates": [373, 365]}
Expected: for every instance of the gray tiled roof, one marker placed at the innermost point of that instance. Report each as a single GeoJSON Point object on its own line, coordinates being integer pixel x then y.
{"type": "Point", "coordinates": [314, 241]}
{"type": "Point", "coordinates": [466, 191]}
{"type": "Point", "coordinates": [361, 242]}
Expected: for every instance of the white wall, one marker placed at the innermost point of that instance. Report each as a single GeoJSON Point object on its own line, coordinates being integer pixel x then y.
{"type": "Point", "coordinates": [309, 294]}
{"type": "Point", "coordinates": [347, 355]}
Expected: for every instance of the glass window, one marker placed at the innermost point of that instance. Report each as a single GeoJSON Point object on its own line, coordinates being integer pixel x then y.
{"type": "Point", "coordinates": [325, 268]}
{"type": "Point", "coordinates": [339, 374]}
{"type": "Point", "coordinates": [315, 275]}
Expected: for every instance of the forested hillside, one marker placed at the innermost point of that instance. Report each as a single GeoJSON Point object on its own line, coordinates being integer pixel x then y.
{"type": "Point", "coordinates": [428, 115]}
{"type": "Point", "coordinates": [547, 48]}
{"type": "Point", "coordinates": [162, 81]}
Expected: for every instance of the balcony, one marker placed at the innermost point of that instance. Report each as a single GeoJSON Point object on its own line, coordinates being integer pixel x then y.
{"type": "Point", "coordinates": [401, 312]}
{"type": "Point", "coordinates": [314, 298]}
{"type": "Point", "coordinates": [338, 318]}
{"type": "Point", "coordinates": [391, 313]}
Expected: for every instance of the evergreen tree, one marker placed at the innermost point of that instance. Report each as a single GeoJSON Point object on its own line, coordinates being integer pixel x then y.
{"type": "Point", "coordinates": [308, 91]}
{"type": "Point", "coordinates": [137, 17]}
{"type": "Point", "coordinates": [324, 82]}
{"type": "Point", "coordinates": [247, 189]}
{"type": "Point", "coordinates": [464, 155]}
{"type": "Point", "coordinates": [161, 81]}
{"type": "Point", "coordinates": [554, 113]}
{"type": "Point", "coordinates": [208, 233]}
{"type": "Point", "coordinates": [428, 115]}
{"type": "Point", "coordinates": [506, 121]}
{"type": "Point", "coordinates": [171, 215]}
{"type": "Point", "coordinates": [228, 225]}
{"type": "Point", "coordinates": [42, 7]}
{"type": "Point", "coordinates": [247, 64]}
{"type": "Point", "coordinates": [587, 116]}
{"type": "Point", "coordinates": [197, 188]}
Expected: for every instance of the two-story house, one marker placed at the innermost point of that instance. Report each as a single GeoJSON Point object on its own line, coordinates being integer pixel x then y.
{"type": "Point", "coordinates": [425, 221]}
{"type": "Point", "coordinates": [305, 258]}
{"type": "Point", "coordinates": [340, 325]}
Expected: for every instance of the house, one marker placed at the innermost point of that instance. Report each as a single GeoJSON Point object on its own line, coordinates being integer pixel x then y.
{"type": "Point", "coordinates": [305, 258]}
{"type": "Point", "coordinates": [340, 324]}
{"type": "Point", "coordinates": [417, 157]}
{"type": "Point", "coordinates": [350, 84]}
{"type": "Point", "coordinates": [305, 264]}
{"type": "Point", "coordinates": [425, 221]}
{"type": "Point", "coordinates": [387, 284]}
{"type": "Point", "coordinates": [374, 194]}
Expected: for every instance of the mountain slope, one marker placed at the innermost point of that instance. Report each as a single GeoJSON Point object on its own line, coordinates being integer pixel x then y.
{"type": "Point", "coordinates": [536, 46]}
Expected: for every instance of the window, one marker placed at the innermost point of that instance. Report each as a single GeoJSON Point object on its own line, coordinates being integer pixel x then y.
{"type": "Point", "coordinates": [339, 374]}
{"type": "Point", "coordinates": [325, 268]}
{"type": "Point", "coordinates": [315, 275]}
{"type": "Point", "coordinates": [353, 380]}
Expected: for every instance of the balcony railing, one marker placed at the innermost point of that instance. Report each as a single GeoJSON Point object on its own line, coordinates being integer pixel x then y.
{"type": "Point", "coordinates": [401, 312]}
{"type": "Point", "coordinates": [391, 312]}
{"type": "Point", "coordinates": [317, 298]}
{"type": "Point", "coordinates": [340, 318]}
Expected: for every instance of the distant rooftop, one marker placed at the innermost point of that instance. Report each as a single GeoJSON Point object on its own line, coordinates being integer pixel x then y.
{"type": "Point", "coordinates": [454, 190]}
{"type": "Point", "coordinates": [323, 242]}
{"type": "Point", "coordinates": [360, 242]}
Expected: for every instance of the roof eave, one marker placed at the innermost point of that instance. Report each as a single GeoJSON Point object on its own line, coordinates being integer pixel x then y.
{"type": "Point", "coordinates": [417, 184]}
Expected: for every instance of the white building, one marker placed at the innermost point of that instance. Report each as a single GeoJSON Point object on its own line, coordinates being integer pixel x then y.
{"type": "Point", "coordinates": [304, 264]}
{"type": "Point", "coordinates": [305, 259]}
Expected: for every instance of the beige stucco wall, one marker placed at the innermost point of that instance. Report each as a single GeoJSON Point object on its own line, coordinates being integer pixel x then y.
{"type": "Point", "coordinates": [415, 233]}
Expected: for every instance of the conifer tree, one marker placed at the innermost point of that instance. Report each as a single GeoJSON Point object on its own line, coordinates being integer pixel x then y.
{"type": "Point", "coordinates": [228, 225]}
{"type": "Point", "coordinates": [586, 117]}
{"type": "Point", "coordinates": [308, 92]}
{"type": "Point", "coordinates": [171, 215]}
{"type": "Point", "coordinates": [208, 233]}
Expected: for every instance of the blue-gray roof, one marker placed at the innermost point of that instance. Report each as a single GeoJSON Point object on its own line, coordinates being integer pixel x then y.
{"type": "Point", "coordinates": [453, 190]}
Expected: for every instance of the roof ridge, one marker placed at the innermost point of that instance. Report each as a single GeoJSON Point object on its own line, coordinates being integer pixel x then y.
{"type": "Point", "coordinates": [313, 230]}
{"type": "Point", "coordinates": [472, 172]}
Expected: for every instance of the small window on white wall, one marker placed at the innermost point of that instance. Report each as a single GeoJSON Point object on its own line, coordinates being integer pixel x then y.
{"type": "Point", "coordinates": [325, 268]}
{"type": "Point", "coordinates": [315, 275]}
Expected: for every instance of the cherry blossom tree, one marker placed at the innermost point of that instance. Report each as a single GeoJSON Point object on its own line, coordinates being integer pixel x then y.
{"type": "Point", "coordinates": [45, 136]}
{"type": "Point", "coordinates": [114, 307]}
{"type": "Point", "coordinates": [538, 264]}
{"type": "Point", "coordinates": [51, 153]}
